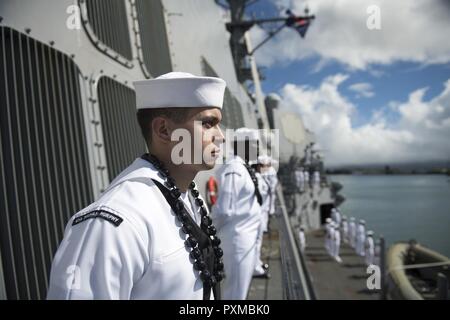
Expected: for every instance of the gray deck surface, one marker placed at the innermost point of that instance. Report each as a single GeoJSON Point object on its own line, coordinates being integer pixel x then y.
{"type": "Point", "coordinates": [331, 280]}
{"type": "Point", "coordinates": [269, 289]}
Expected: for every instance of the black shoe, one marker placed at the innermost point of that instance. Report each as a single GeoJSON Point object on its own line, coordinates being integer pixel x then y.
{"type": "Point", "coordinates": [265, 275]}
{"type": "Point", "coordinates": [265, 266]}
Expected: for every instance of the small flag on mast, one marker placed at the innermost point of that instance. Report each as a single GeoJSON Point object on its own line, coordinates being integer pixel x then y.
{"type": "Point", "coordinates": [300, 24]}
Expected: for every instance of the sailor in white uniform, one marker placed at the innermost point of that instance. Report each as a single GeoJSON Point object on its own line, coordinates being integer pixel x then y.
{"type": "Point", "coordinates": [344, 229]}
{"type": "Point", "coordinates": [263, 163]}
{"type": "Point", "coordinates": [149, 235]}
{"type": "Point", "coordinates": [302, 239]}
{"type": "Point", "coordinates": [269, 182]}
{"type": "Point", "coordinates": [352, 232]}
{"type": "Point", "coordinates": [328, 235]}
{"type": "Point", "coordinates": [300, 179]}
{"type": "Point", "coordinates": [361, 238]}
{"type": "Point", "coordinates": [338, 217]}
{"type": "Point", "coordinates": [306, 177]}
{"type": "Point", "coordinates": [370, 248]}
{"type": "Point", "coordinates": [271, 176]}
{"type": "Point", "coordinates": [333, 214]}
{"type": "Point", "coordinates": [317, 179]}
{"type": "Point", "coordinates": [335, 242]}
{"type": "Point", "coordinates": [237, 214]}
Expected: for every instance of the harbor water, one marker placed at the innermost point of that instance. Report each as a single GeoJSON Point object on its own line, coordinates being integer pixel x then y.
{"type": "Point", "coordinates": [401, 207]}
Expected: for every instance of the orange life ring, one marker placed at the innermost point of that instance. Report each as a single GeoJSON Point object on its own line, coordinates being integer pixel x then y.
{"type": "Point", "coordinates": [211, 191]}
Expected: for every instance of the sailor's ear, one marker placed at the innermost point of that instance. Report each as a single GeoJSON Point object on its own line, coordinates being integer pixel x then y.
{"type": "Point", "coordinates": [161, 129]}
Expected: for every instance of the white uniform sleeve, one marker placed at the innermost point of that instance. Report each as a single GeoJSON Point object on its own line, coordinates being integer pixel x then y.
{"type": "Point", "coordinates": [225, 206]}
{"type": "Point", "coordinates": [97, 260]}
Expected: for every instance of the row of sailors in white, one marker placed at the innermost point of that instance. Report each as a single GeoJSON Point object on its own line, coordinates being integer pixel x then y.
{"type": "Point", "coordinates": [355, 235]}
{"type": "Point", "coordinates": [240, 219]}
{"type": "Point", "coordinates": [267, 183]}
{"type": "Point", "coordinates": [333, 239]}
{"type": "Point", "coordinates": [302, 179]}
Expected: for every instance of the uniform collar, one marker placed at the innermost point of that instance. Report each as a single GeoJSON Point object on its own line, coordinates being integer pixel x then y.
{"type": "Point", "coordinates": [139, 171]}
{"type": "Point", "coordinates": [236, 158]}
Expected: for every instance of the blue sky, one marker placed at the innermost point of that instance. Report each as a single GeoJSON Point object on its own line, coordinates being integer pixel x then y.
{"type": "Point", "coordinates": [395, 83]}
{"type": "Point", "coordinates": [384, 88]}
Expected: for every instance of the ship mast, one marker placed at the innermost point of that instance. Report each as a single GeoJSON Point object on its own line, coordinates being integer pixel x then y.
{"type": "Point", "coordinates": [243, 51]}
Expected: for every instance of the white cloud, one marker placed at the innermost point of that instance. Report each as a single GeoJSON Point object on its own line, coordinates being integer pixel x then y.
{"type": "Point", "coordinates": [410, 31]}
{"type": "Point", "coordinates": [362, 89]}
{"type": "Point", "coordinates": [420, 134]}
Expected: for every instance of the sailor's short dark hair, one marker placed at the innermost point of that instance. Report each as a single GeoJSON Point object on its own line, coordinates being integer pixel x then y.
{"type": "Point", "coordinates": [146, 116]}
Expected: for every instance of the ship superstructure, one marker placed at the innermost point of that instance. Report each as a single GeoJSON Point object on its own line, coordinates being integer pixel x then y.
{"type": "Point", "coordinates": [66, 70]}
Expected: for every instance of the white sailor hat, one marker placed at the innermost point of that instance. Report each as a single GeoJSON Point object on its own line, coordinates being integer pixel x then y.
{"type": "Point", "coordinates": [243, 134]}
{"type": "Point", "coordinates": [362, 221]}
{"type": "Point", "coordinates": [264, 160]}
{"type": "Point", "coordinates": [333, 209]}
{"type": "Point", "coordinates": [352, 219]}
{"type": "Point", "coordinates": [179, 90]}
{"type": "Point", "coordinates": [328, 220]}
{"type": "Point", "coordinates": [370, 233]}
{"type": "Point", "coordinates": [344, 217]}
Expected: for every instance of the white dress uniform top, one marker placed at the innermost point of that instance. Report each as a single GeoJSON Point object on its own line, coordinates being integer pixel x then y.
{"type": "Point", "coordinates": [128, 244]}
{"type": "Point", "coordinates": [237, 216]}
{"type": "Point", "coordinates": [143, 257]}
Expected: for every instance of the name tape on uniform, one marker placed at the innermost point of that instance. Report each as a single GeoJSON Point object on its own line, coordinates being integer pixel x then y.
{"type": "Point", "coordinates": [105, 215]}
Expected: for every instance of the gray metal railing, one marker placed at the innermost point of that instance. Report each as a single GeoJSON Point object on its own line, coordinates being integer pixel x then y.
{"type": "Point", "coordinates": [296, 283]}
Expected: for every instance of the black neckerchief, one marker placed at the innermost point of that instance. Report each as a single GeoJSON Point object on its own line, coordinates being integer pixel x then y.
{"type": "Point", "coordinates": [204, 243]}
{"type": "Point", "coordinates": [251, 171]}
